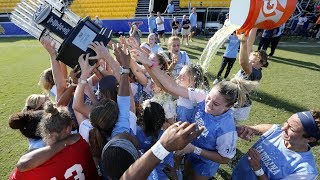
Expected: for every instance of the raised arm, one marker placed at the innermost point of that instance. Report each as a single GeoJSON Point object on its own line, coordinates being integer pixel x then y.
{"type": "Point", "coordinates": [78, 102]}
{"type": "Point", "coordinates": [164, 79]}
{"type": "Point", "coordinates": [243, 55]}
{"type": "Point", "coordinates": [103, 53]}
{"type": "Point", "coordinates": [39, 156]}
{"type": "Point", "coordinates": [176, 137]}
{"type": "Point", "coordinates": [68, 93]}
{"type": "Point", "coordinates": [247, 132]}
{"type": "Point", "coordinates": [57, 73]}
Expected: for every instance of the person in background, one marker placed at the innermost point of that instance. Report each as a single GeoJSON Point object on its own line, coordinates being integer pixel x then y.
{"type": "Point", "coordinates": [275, 39]}
{"type": "Point", "coordinates": [170, 8]}
{"type": "Point", "coordinates": [160, 26]}
{"type": "Point", "coordinates": [229, 57]}
{"type": "Point", "coordinates": [135, 32]}
{"type": "Point", "coordinates": [175, 27]}
{"type": "Point", "coordinates": [281, 152]}
{"type": "Point", "coordinates": [152, 23]}
{"type": "Point", "coordinates": [98, 22]}
{"type": "Point", "coordinates": [299, 28]}
{"type": "Point", "coordinates": [193, 21]}
{"type": "Point", "coordinates": [185, 31]}
{"type": "Point", "coordinates": [151, 45]}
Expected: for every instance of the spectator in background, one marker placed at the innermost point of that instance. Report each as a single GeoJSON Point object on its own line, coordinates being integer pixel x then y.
{"type": "Point", "coordinates": [160, 26]}
{"type": "Point", "coordinates": [135, 32]}
{"type": "Point", "coordinates": [152, 23]}
{"type": "Point", "coordinates": [175, 27]}
{"type": "Point", "coordinates": [98, 22]}
{"type": "Point", "coordinates": [229, 57]}
{"type": "Point", "coordinates": [151, 45]}
{"type": "Point", "coordinates": [170, 8]}
{"type": "Point", "coordinates": [185, 31]}
{"type": "Point", "coordinates": [226, 21]}
{"type": "Point", "coordinates": [193, 20]}
{"type": "Point", "coordinates": [275, 39]}
{"type": "Point", "coordinates": [317, 28]}
{"type": "Point", "coordinates": [299, 29]}
{"type": "Point", "coordinates": [266, 38]}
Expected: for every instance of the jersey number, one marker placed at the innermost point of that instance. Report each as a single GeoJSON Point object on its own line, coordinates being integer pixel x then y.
{"type": "Point", "coordinates": [69, 173]}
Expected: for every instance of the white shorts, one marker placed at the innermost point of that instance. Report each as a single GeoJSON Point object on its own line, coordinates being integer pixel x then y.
{"type": "Point", "coordinates": [175, 31]}
{"type": "Point", "coordinates": [185, 32]}
{"type": "Point", "coordinates": [241, 114]}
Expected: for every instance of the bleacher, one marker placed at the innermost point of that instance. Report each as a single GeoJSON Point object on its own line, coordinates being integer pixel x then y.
{"type": "Point", "coordinates": [105, 9]}
{"type": "Point", "coordinates": [6, 6]}
{"type": "Point", "coordinates": [205, 3]}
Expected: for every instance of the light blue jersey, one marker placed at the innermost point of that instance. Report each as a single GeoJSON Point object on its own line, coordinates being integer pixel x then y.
{"type": "Point", "coordinates": [193, 19]}
{"type": "Point", "coordinates": [152, 22]}
{"type": "Point", "coordinates": [184, 109]}
{"type": "Point", "coordinates": [277, 161]}
{"type": "Point", "coordinates": [145, 143]}
{"type": "Point", "coordinates": [183, 60]}
{"type": "Point", "coordinates": [232, 47]}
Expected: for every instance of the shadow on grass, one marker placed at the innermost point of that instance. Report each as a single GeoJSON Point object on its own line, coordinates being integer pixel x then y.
{"type": "Point", "coordinates": [276, 102]}
{"type": "Point", "coordinates": [302, 64]}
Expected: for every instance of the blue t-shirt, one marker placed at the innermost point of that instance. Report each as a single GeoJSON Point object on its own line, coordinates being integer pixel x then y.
{"type": "Point", "coordinates": [184, 109]}
{"type": "Point", "coordinates": [232, 47]}
{"type": "Point", "coordinates": [152, 22]}
{"type": "Point", "coordinates": [256, 75]}
{"type": "Point", "coordinates": [170, 8]}
{"type": "Point", "coordinates": [277, 161]}
{"type": "Point", "coordinates": [219, 135]}
{"type": "Point", "coordinates": [193, 19]}
{"type": "Point", "coordinates": [146, 143]}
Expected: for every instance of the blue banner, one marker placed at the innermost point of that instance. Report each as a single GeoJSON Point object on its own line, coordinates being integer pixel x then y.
{"type": "Point", "coordinates": [8, 29]}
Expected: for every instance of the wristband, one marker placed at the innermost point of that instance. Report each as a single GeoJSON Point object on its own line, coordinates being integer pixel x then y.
{"type": "Point", "coordinates": [259, 172]}
{"type": "Point", "coordinates": [197, 151]}
{"type": "Point", "coordinates": [100, 68]}
{"type": "Point", "coordinates": [82, 81]}
{"type": "Point", "coordinates": [159, 151]}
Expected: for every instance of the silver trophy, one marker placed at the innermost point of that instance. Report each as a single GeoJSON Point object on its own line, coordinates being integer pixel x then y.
{"type": "Point", "coordinates": [53, 18]}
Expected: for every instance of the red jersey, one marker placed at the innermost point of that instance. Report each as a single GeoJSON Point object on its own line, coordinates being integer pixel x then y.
{"type": "Point", "coordinates": [73, 162]}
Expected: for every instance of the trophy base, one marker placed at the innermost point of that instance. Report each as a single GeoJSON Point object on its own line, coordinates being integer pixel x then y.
{"type": "Point", "coordinates": [78, 40]}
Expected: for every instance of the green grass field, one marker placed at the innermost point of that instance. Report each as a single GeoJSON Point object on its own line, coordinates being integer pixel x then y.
{"type": "Point", "coordinates": [290, 84]}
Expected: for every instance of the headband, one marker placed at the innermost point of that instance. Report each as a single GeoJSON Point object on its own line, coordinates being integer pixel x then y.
{"type": "Point", "coordinates": [123, 144]}
{"type": "Point", "coordinates": [309, 124]}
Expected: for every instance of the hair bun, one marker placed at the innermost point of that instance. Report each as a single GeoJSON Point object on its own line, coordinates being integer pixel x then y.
{"type": "Point", "coordinates": [50, 108]}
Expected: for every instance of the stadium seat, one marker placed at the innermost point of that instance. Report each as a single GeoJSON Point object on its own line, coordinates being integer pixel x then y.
{"type": "Point", "coordinates": [205, 3]}
{"type": "Point", "coordinates": [6, 6]}
{"type": "Point", "coordinates": [105, 9]}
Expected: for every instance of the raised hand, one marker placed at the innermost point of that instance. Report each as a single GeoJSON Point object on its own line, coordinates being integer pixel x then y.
{"type": "Point", "coordinates": [122, 55]}
{"type": "Point", "coordinates": [49, 45]}
{"type": "Point", "coordinates": [178, 135]}
{"type": "Point", "coordinates": [242, 37]}
{"type": "Point", "coordinates": [245, 132]}
{"type": "Point", "coordinates": [254, 159]}
{"type": "Point", "coordinates": [101, 51]}
{"type": "Point", "coordinates": [75, 74]}
{"type": "Point", "coordinates": [188, 149]}
{"type": "Point", "coordinates": [86, 68]}
{"type": "Point", "coordinates": [140, 56]}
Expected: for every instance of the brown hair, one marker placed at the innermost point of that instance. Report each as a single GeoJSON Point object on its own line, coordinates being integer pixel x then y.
{"type": "Point", "coordinates": [236, 90]}
{"type": "Point", "coordinates": [173, 38]}
{"type": "Point", "coordinates": [103, 118]}
{"type": "Point", "coordinates": [27, 122]}
{"type": "Point", "coordinates": [316, 116]}
{"type": "Point", "coordinates": [263, 57]}
{"type": "Point", "coordinates": [163, 61]}
{"type": "Point", "coordinates": [46, 80]}
{"type": "Point", "coordinates": [54, 120]}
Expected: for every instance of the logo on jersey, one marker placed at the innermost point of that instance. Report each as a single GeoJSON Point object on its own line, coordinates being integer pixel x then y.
{"type": "Point", "coordinates": [200, 123]}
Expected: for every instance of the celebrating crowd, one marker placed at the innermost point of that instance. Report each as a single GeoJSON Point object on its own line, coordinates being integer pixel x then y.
{"type": "Point", "coordinates": [142, 113]}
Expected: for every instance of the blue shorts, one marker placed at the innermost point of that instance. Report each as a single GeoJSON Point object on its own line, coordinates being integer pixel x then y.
{"type": "Point", "coordinates": [202, 167]}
